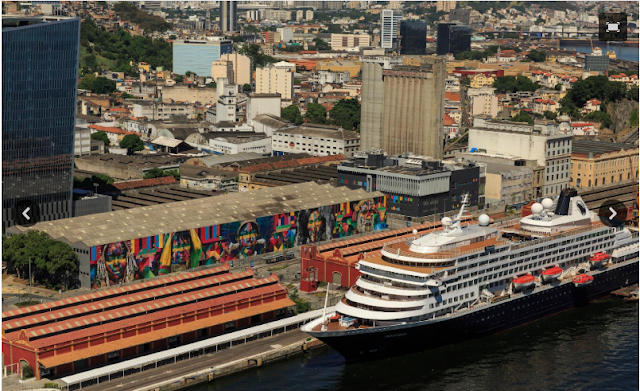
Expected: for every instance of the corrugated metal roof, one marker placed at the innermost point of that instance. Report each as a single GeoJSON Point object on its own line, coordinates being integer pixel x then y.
{"type": "Point", "coordinates": [134, 223]}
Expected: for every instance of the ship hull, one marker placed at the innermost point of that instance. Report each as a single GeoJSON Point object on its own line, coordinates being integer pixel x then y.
{"type": "Point", "coordinates": [383, 342]}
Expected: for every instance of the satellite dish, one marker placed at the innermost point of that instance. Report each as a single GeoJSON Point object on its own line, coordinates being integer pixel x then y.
{"type": "Point", "coordinates": [415, 231]}
{"type": "Point", "coordinates": [446, 221]}
{"type": "Point", "coordinates": [547, 203]}
{"type": "Point", "coordinates": [537, 208]}
{"type": "Point", "coordinates": [484, 220]}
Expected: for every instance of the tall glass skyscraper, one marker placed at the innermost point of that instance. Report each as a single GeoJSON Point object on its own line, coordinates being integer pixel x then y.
{"type": "Point", "coordinates": [413, 37]}
{"type": "Point", "coordinates": [39, 87]}
{"type": "Point", "coordinates": [453, 38]}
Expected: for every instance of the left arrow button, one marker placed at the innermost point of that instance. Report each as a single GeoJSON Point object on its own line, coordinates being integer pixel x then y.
{"type": "Point", "coordinates": [27, 213]}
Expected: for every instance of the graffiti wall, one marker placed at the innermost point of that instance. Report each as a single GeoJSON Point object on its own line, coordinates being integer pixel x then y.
{"type": "Point", "coordinates": [137, 259]}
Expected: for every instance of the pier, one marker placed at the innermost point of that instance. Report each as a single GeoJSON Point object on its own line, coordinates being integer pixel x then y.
{"type": "Point", "coordinates": [627, 292]}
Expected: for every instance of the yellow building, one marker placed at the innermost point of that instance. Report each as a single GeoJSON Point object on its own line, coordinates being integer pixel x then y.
{"type": "Point", "coordinates": [598, 164]}
{"type": "Point", "coordinates": [144, 66]}
{"type": "Point", "coordinates": [480, 80]}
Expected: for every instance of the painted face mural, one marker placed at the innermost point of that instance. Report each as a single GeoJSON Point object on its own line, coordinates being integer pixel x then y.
{"type": "Point", "coordinates": [151, 256]}
{"type": "Point", "coordinates": [365, 211]}
{"type": "Point", "coordinates": [115, 265]}
{"type": "Point", "coordinates": [248, 237]}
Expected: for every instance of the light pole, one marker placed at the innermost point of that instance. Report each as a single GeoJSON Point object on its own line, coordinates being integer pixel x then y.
{"type": "Point", "coordinates": [29, 278]}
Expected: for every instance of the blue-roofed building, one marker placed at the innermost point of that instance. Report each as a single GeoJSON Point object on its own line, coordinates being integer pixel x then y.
{"type": "Point", "coordinates": [197, 55]}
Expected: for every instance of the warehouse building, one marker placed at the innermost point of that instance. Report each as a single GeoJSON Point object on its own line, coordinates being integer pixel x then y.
{"type": "Point", "coordinates": [146, 242]}
{"type": "Point", "coordinates": [107, 326]}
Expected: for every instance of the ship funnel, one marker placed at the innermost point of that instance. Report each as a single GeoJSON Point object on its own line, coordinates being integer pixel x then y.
{"type": "Point", "coordinates": [562, 208]}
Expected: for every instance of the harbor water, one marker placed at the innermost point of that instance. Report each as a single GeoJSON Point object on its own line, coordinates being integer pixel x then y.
{"type": "Point", "coordinates": [589, 348]}
{"type": "Point", "coordinates": [629, 53]}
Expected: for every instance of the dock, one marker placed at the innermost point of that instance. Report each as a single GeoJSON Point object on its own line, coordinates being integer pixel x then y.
{"type": "Point", "coordinates": [626, 292]}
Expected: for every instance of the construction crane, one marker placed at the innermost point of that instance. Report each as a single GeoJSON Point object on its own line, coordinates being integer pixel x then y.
{"type": "Point", "coordinates": [591, 42]}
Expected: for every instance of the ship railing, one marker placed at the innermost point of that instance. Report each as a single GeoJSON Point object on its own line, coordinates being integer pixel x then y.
{"type": "Point", "coordinates": [382, 297]}
{"type": "Point", "coordinates": [450, 254]}
{"type": "Point", "coordinates": [391, 285]}
{"type": "Point", "coordinates": [549, 237]}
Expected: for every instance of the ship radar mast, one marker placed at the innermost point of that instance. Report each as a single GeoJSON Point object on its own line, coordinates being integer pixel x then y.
{"type": "Point", "coordinates": [453, 225]}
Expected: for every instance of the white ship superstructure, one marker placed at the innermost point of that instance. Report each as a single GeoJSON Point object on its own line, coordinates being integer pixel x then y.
{"type": "Point", "coordinates": [465, 266]}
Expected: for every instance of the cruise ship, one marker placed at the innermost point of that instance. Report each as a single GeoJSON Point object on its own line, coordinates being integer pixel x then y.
{"type": "Point", "coordinates": [470, 280]}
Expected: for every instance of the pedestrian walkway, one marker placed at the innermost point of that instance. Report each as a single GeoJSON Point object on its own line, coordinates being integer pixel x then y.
{"type": "Point", "coordinates": [185, 352]}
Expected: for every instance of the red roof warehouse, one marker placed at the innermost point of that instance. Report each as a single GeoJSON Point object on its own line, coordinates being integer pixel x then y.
{"type": "Point", "coordinates": [114, 324]}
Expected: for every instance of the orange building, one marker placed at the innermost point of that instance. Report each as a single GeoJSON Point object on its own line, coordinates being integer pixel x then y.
{"type": "Point", "coordinates": [107, 326]}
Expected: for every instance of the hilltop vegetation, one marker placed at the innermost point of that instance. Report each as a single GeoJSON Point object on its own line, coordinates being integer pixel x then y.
{"type": "Point", "coordinates": [114, 51]}
{"type": "Point", "coordinates": [131, 13]}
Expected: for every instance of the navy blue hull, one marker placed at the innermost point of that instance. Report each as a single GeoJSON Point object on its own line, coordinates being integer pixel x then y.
{"type": "Point", "coordinates": [498, 317]}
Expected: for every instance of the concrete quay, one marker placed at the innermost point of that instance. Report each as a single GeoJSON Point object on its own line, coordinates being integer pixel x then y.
{"type": "Point", "coordinates": [206, 368]}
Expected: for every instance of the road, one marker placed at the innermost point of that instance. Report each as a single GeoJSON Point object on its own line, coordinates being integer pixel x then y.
{"type": "Point", "coordinates": [152, 376]}
{"type": "Point", "coordinates": [633, 137]}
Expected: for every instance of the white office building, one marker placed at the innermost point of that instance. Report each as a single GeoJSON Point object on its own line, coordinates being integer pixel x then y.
{"type": "Point", "coordinates": [390, 22]}
{"type": "Point", "coordinates": [317, 140]}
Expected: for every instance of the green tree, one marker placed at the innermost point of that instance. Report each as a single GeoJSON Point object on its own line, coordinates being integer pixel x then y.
{"type": "Point", "coordinates": [513, 84]}
{"type": "Point", "coordinates": [101, 179]}
{"type": "Point", "coordinates": [132, 143]}
{"type": "Point", "coordinates": [558, 87]}
{"type": "Point", "coordinates": [101, 136]}
{"type": "Point", "coordinates": [87, 82]}
{"type": "Point", "coordinates": [259, 59]}
{"type": "Point", "coordinates": [523, 117]}
{"type": "Point", "coordinates": [179, 79]}
{"type": "Point", "coordinates": [602, 117]}
{"type": "Point", "coordinates": [537, 56]}
{"type": "Point", "coordinates": [292, 114]}
{"type": "Point", "coordinates": [52, 262]}
{"type": "Point", "coordinates": [550, 115]}
{"type": "Point", "coordinates": [316, 113]}
{"type": "Point", "coordinates": [102, 85]}
{"type": "Point", "coordinates": [27, 372]}
{"type": "Point", "coordinates": [346, 114]}
{"type": "Point", "coordinates": [246, 87]}
{"type": "Point", "coordinates": [154, 173]}
{"type": "Point", "coordinates": [321, 44]}
{"type": "Point", "coordinates": [594, 87]}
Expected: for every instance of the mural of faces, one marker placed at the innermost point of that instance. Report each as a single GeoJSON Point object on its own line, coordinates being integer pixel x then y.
{"type": "Point", "coordinates": [148, 257]}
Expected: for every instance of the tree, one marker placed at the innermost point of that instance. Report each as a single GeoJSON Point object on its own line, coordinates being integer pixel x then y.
{"type": "Point", "coordinates": [188, 73]}
{"type": "Point", "coordinates": [523, 117]}
{"type": "Point", "coordinates": [537, 56]}
{"type": "Point", "coordinates": [27, 372]}
{"type": "Point", "coordinates": [87, 82]}
{"type": "Point", "coordinates": [102, 85]}
{"type": "Point", "coordinates": [179, 79]}
{"type": "Point", "coordinates": [558, 87]}
{"type": "Point", "coordinates": [513, 84]}
{"type": "Point", "coordinates": [346, 114]}
{"type": "Point", "coordinates": [246, 87]}
{"type": "Point", "coordinates": [292, 114]}
{"type": "Point", "coordinates": [550, 115]}
{"type": "Point", "coordinates": [132, 143]}
{"type": "Point", "coordinates": [594, 87]}
{"type": "Point", "coordinates": [316, 113]}
{"type": "Point", "coordinates": [259, 59]}
{"type": "Point", "coordinates": [602, 117]}
{"type": "Point", "coordinates": [52, 262]}
{"type": "Point", "coordinates": [101, 136]}
{"type": "Point", "coordinates": [153, 173]}
{"type": "Point", "coordinates": [321, 44]}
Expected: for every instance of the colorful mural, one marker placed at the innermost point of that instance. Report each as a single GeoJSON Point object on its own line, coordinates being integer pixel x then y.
{"type": "Point", "coordinates": [136, 259]}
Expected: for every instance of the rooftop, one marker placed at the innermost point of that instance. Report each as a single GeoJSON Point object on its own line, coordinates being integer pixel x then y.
{"type": "Point", "coordinates": [328, 131]}
{"type": "Point", "coordinates": [154, 220]}
{"type": "Point", "coordinates": [586, 147]}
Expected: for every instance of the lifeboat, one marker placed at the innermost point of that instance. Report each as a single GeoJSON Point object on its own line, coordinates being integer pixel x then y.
{"type": "Point", "coordinates": [582, 280]}
{"type": "Point", "coordinates": [598, 259]}
{"type": "Point", "coordinates": [551, 274]}
{"type": "Point", "coordinates": [335, 318]}
{"type": "Point", "coordinates": [523, 282]}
